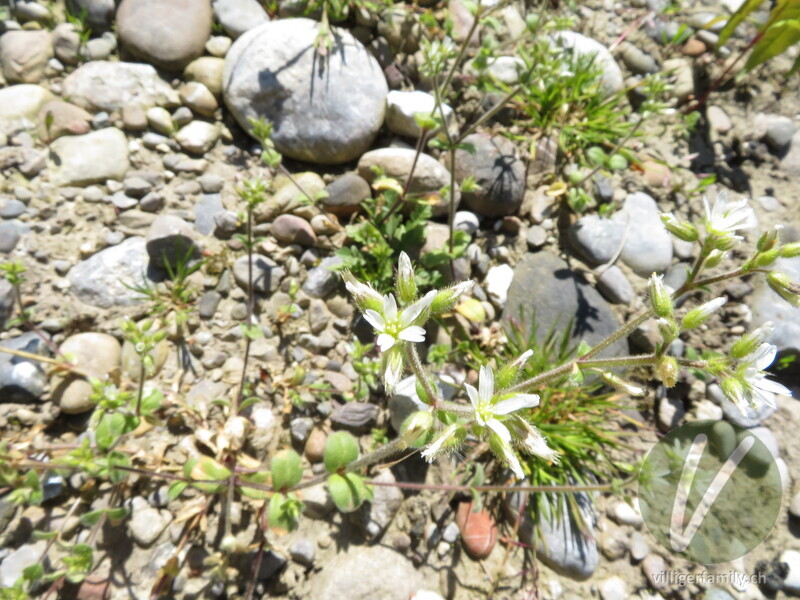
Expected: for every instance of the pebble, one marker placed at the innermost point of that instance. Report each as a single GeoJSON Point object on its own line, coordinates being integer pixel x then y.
{"type": "Point", "coordinates": [218, 45]}
{"type": "Point", "coordinates": [321, 121]}
{"type": "Point", "coordinates": [791, 583]}
{"type": "Point", "coordinates": [357, 417]}
{"type": "Point", "coordinates": [497, 283]}
{"type": "Point", "coordinates": [401, 107]}
{"type": "Point", "coordinates": [239, 16]}
{"type": "Point", "coordinates": [596, 239]}
{"type": "Point", "coordinates": [652, 567]}
{"type": "Point", "coordinates": [167, 34]}
{"type": "Point", "coordinates": [110, 86]}
{"type": "Point", "coordinates": [428, 179]}
{"type": "Point", "coordinates": [718, 119]}
{"type": "Point", "coordinates": [670, 413]}
{"type": "Point", "coordinates": [21, 380]}
{"type": "Point", "coordinates": [376, 516]}
{"type": "Point", "coordinates": [147, 524]}
{"type": "Point", "coordinates": [648, 247]}
{"type": "Point", "coordinates": [322, 281]}
{"type": "Point", "coordinates": [768, 306]}
{"type": "Point", "coordinates": [96, 353]}
{"type": "Point", "coordinates": [345, 194]}
{"type": "Point", "coordinates": [16, 561]}
{"type": "Point", "coordinates": [208, 71]}
{"type": "Point", "coordinates": [170, 241]}
{"type": "Point", "coordinates": [637, 61]}
{"type": "Point", "coordinates": [293, 230]}
{"type": "Point", "coordinates": [614, 286]}
{"type": "Point", "coordinates": [536, 237]}
{"type": "Point", "coordinates": [198, 98]}
{"type": "Point", "coordinates": [24, 55]}
{"type": "Point", "coordinates": [466, 221]}
{"type": "Point", "coordinates": [639, 546]}
{"type": "Point", "coordinates": [266, 273]}
{"type": "Point", "coordinates": [198, 137]}
{"type": "Point", "coordinates": [92, 158]}
{"type": "Point", "coordinates": [300, 428]}
{"type": "Point", "coordinates": [99, 280]}
{"type": "Point", "coordinates": [303, 551]}
{"type": "Point", "coordinates": [579, 44]}
{"type": "Point", "coordinates": [625, 514]}
{"type": "Point", "coordinates": [499, 172]}
{"type": "Point", "coordinates": [613, 588]}
{"type": "Point", "coordinates": [478, 530]}
{"type": "Point", "coordinates": [776, 130]}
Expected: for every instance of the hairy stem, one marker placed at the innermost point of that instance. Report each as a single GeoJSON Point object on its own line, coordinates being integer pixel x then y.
{"type": "Point", "coordinates": [419, 371]}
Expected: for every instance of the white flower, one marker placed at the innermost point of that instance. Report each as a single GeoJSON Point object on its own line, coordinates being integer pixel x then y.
{"type": "Point", "coordinates": [757, 387]}
{"type": "Point", "coordinates": [363, 295]}
{"type": "Point", "coordinates": [724, 218]}
{"type": "Point", "coordinates": [486, 413]}
{"type": "Point", "coordinates": [440, 443]}
{"type": "Point", "coordinates": [393, 327]}
{"type": "Point", "coordinates": [696, 317]}
{"type": "Point", "coordinates": [392, 368]}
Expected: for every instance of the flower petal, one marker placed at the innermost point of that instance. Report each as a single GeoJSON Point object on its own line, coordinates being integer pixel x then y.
{"type": "Point", "coordinates": [516, 403]}
{"type": "Point", "coordinates": [375, 319]}
{"type": "Point", "coordinates": [415, 333]}
{"type": "Point", "coordinates": [410, 314]}
{"type": "Point", "coordinates": [436, 445]}
{"type": "Point", "coordinates": [385, 341]}
{"type": "Point", "coordinates": [769, 385]}
{"type": "Point", "coordinates": [486, 384]}
{"type": "Point", "coordinates": [500, 429]}
{"type": "Point", "coordinates": [389, 308]}
{"type": "Point", "coordinates": [510, 457]}
{"type": "Point", "coordinates": [473, 395]}
{"type": "Point", "coordinates": [764, 355]}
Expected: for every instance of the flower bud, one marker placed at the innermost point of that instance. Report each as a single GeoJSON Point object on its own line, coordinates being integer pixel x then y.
{"type": "Point", "coordinates": [764, 259]}
{"type": "Point", "coordinates": [363, 295]}
{"type": "Point", "coordinates": [784, 287]}
{"type": "Point", "coordinates": [445, 299]}
{"type": "Point", "coordinates": [734, 391]}
{"type": "Point", "coordinates": [747, 344]}
{"type": "Point", "coordinates": [416, 427]}
{"type": "Point", "coordinates": [696, 317]}
{"type": "Point", "coordinates": [714, 258]}
{"type": "Point", "coordinates": [768, 240]}
{"type": "Point", "coordinates": [660, 298]}
{"type": "Point", "coordinates": [617, 382]}
{"type": "Point", "coordinates": [667, 370]}
{"type": "Point", "coordinates": [507, 375]}
{"type": "Point", "coordinates": [682, 230]}
{"type": "Point", "coordinates": [790, 250]}
{"type": "Point", "coordinates": [668, 329]}
{"type": "Point", "coordinates": [405, 285]}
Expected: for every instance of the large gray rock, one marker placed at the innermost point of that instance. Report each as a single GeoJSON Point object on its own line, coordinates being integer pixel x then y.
{"type": "Point", "coordinates": [325, 110]}
{"type": "Point", "coordinates": [430, 176]}
{"type": "Point", "coordinates": [768, 306]}
{"type": "Point", "coordinates": [239, 16]}
{"type": "Point", "coordinates": [100, 280]}
{"type": "Point", "coordinates": [110, 86]}
{"type": "Point", "coordinates": [168, 34]}
{"type": "Point", "coordinates": [382, 573]}
{"type": "Point", "coordinates": [595, 239]}
{"type": "Point", "coordinates": [91, 158]}
{"type": "Point", "coordinates": [581, 46]}
{"type": "Point", "coordinates": [499, 172]}
{"type": "Point", "coordinates": [24, 55]}
{"type": "Point", "coordinates": [547, 293]}
{"type": "Point", "coordinates": [563, 544]}
{"type": "Point", "coordinates": [20, 106]}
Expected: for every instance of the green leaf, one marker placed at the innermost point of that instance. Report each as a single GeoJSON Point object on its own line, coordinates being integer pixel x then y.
{"type": "Point", "coordinates": [348, 492]}
{"type": "Point", "coordinates": [44, 535]}
{"type": "Point", "coordinates": [779, 36]}
{"type": "Point", "coordinates": [340, 450]}
{"type": "Point", "coordinates": [176, 489]}
{"type": "Point", "coordinates": [206, 468]}
{"type": "Point", "coordinates": [260, 478]}
{"type": "Point", "coordinates": [34, 572]}
{"type": "Point", "coordinates": [740, 15]}
{"type": "Point", "coordinates": [284, 511]}
{"type": "Point", "coordinates": [93, 517]}
{"type": "Point", "coordinates": [115, 515]}
{"type": "Point", "coordinates": [287, 469]}
{"type": "Point", "coordinates": [152, 402]}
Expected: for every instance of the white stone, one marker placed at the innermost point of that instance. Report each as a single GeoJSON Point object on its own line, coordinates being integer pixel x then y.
{"type": "Point", "coordinates": [613, 588]}
{"type": "Point", "coordinates": [20, 105]}
{"type": "Point", "coordinates": [109, 86]}
{"type": "Point", "coordinates": [323, 111]}
{"type": "Point", "coordinates": [497, 282]}
{"type": "Point", "coordinates": [402, 106]}
{"type": "Point", "coordinates": [91, 158]}
{"type": "Point", "coordinates": [197, 137]}
{"type": "Point", "coordinates": [625, 514]}
{"type": "Point", "coordinates": [792, 581]}
{"type": "Point", "coordinates": [586, 46]}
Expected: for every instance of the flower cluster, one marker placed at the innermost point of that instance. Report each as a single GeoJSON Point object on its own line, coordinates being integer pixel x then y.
{"type": "Point", "coordinates": [746, 384]}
